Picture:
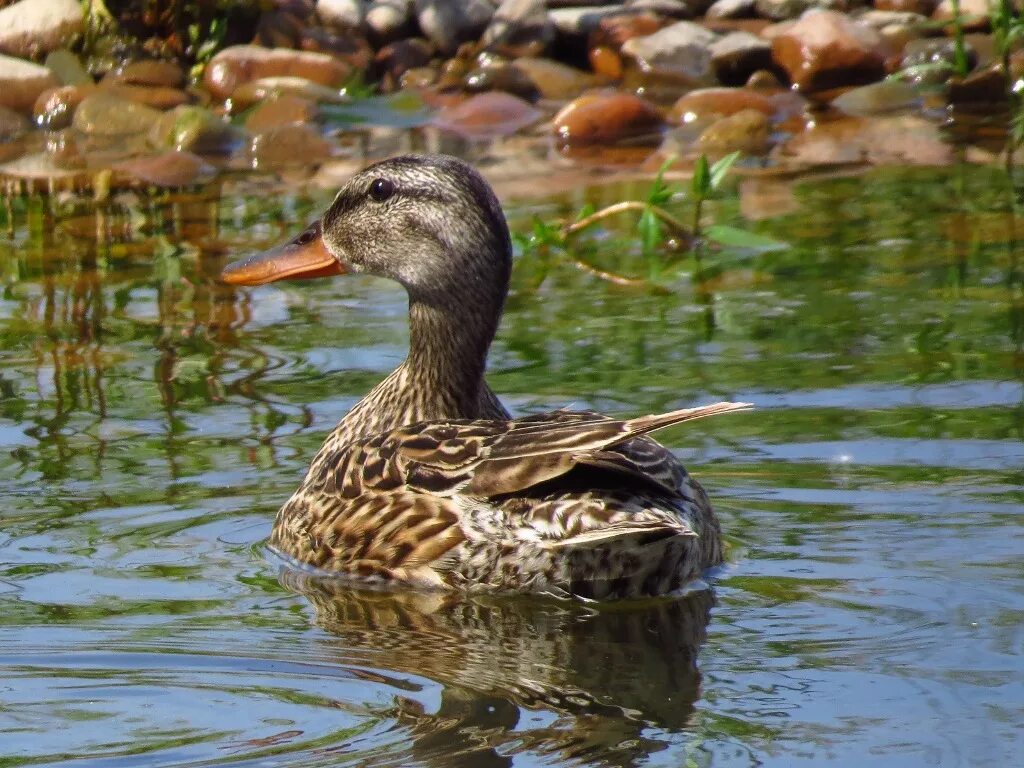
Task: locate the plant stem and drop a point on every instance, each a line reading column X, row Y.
column 622, row 207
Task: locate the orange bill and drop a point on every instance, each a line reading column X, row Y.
column 303, row 257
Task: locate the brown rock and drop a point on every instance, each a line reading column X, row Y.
column 106, row 115
column 923, row 7
column 613, row 31
column 397, row 58
column 158, row 97
column 519, row 28
column 265, row 88
column 606, row 62
column 604, row 117
column 165, row 74
column 738, row 55
column 501, row 76
column 170, row 169
column 704, row 102
column 243, row 63
column 12, row 125
column 55, row 107
column 282, row 110
column 194, row 129
column 21, row 82
column 288, row 145
column 827, row 50
column 31, row 28
column 901, row 140
column 985, row 87
column 487, row 115
column 746, row 131
column 974, row 14
column 553, row 79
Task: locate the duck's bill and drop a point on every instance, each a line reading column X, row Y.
column 304, row 257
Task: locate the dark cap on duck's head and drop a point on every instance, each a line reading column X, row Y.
column 430, row 222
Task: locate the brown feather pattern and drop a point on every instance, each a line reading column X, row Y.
column 428, row 481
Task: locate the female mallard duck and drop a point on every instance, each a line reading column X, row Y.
column 428, row 481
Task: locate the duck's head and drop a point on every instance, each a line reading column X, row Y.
column 429, row 222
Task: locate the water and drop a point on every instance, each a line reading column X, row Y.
column 871, row 613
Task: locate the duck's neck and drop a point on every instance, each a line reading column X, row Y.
column 442, row 377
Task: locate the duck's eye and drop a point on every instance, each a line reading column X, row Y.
column 382, row 189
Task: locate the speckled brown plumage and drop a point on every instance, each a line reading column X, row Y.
column 428, row 481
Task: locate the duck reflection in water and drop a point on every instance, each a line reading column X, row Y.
column 608, row 673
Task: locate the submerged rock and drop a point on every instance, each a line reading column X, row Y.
column 241, row 64
column 878, row 98
column 606, row 117
column 67, row 67
column 170, row 169
column 194, row 129
column 699, row 105
column 21, row 82
column 746, row 131
column 12, row 124
column 151, row 72
column 55, row 107
column 107, row 115
column 553, row 79
column 287, row 145
column 487, row 115
column 32, row 28
column 281, row 110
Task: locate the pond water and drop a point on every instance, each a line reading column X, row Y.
column 871, row 612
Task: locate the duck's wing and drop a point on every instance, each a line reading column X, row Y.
column 390, row 505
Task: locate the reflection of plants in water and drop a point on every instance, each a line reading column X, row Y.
column 660, row 232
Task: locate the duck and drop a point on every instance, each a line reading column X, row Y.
column 428, row 482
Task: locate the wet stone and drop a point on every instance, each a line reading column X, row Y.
column 287, row 145
column 934, row 51
column 605, row 62
column 983, row 88
column 826, row 50
column 104, row 114
column 269, row 87
column 501, row 76
column 554, row 80
column 746, row 131
column 580, row 22
column 487, row 115
column 12, row 124
column 614, row 31
column 923, row 7
column 878, row 98
column 394, row 59
column 897, row 140
column 389, row 20
column 519, row 28
column 281, row 110
column 170, row 169
column 606, row 117
column 449, row 23
column 703, row 103
column 737, row 55
column 67, row 68
column 55, row 107
column 241, row 64
column 681, row 47
column 194, row 129
column 158, row 97
column 781, row 10
column 346, row 14
column 21, row 82
column 152, row 72
column 731, row 9
column 974, row 14
column 32, row 28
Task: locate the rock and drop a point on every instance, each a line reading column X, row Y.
column 878, row 98
column 681, row 47
column 55, row 107
column 155, row 72
column 13, row 125
column 487, row 116
column 825, row 49
column 152, row 96
column 345, row 45
column 701, row 104
column 613, row 31
column 346, row 14
column 738, row 55
column 243, row 63
column 605, row 117
column 285, row 109
column 673, row 9
column 974, row 14
column 923, row 7
column 902, row 140
column 449, row 23
column 746, row 131
column 417, row 78
column 394, row 59
column 21, row 82
column 939, row 51
column 170, row 169
column 256, row 91
column 881, row 19
column 580, row 22
column 103, row 114
column 553, row 79
column 67, row 68
column 519, row 28
column 780, row 10
column 31, row 28
column 731, row 9
column 984, row 87
column 287, row 145
column 605, row 62
column 195, row 129
column 389, row 20
column 501, row 76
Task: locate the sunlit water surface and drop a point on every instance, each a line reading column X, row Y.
column 151, row 422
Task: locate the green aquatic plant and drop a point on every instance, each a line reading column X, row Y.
column 660, row 231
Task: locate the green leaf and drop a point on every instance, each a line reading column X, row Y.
column 701, row 184
column 650, row 231
column 721, row 168
column 739, row 238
